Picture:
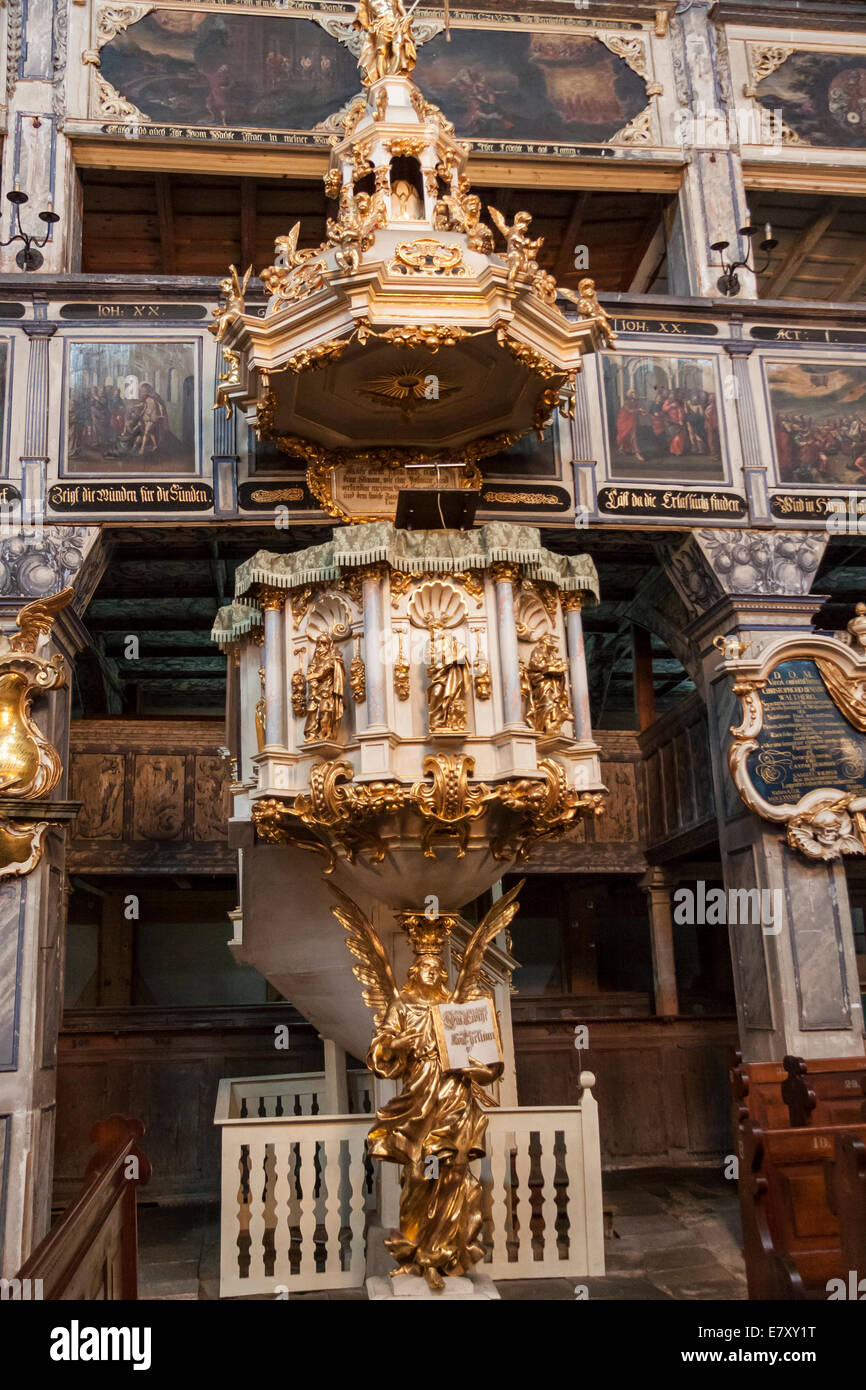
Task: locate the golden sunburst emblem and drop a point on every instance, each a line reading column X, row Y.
column 409, row 388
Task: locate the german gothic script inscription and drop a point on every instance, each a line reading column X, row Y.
column 805, row 742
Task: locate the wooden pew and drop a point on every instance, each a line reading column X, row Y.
column 830, row 1091
column 845, row 1177
column 791, row 1238
column 756, row 1089
column 92, row 1251
column 795, row 1093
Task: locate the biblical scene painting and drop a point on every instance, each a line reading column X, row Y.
column 819, row 421
column 822, row 97
column 505, row 85
column 663, row 418
column 207, row 69
column 281, row 72
column 131, row 407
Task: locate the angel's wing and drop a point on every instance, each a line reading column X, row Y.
column 290, row 244
column 374, row 968
column 499, row 221
column 246, row 281
column 563, row 293
column 497, row 919
column 37, row 618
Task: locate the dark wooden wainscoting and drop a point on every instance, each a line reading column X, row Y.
column 661, row 1084
column 164, row 1065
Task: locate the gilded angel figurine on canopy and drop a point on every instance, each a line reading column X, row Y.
column 389, row 48
column 439, row 1113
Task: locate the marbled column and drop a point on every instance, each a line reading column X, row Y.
column 795, row 968
column 657, row 885
column 573, row 603
column 754, row 464
column 585, row 488
column 374, row 648
column 225, row 460
column 273, row 603
column 43, row 89
column 504, row 576
column 712, row 199
column 35, row 455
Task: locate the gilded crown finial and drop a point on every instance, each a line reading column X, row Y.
column 428, row 935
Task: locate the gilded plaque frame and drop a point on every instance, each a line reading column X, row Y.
column 826, row 822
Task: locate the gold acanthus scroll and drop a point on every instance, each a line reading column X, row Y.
column 30, row 766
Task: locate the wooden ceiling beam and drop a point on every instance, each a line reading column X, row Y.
column 249, row 190
column 564, row 264
column 652, row 239
column 165, row 213
column 627, row 176
column 853, row 281
column 802, row 249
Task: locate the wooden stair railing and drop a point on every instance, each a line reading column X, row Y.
column 92, row 1251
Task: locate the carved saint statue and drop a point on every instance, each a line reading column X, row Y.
column 547, row 676
column 446, row 689
column 326, row 687
column 389, row 48
column 436, row 1125
column 405, row 202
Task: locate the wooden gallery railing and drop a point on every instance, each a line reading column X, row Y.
column 299, row 1190
column 92, row 1252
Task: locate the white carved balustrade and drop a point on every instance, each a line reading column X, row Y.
column 298, row 1191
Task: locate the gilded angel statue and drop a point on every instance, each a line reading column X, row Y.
column 588, row 306
column 436, row 1125
column 286, row 253
column 521, row 250
column 232, row 290
column 389, row 49
column 360, row 218
column 461, row 212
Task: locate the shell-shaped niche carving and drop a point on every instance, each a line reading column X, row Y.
column 329, row 617
column 437, row 604
column 531, row 617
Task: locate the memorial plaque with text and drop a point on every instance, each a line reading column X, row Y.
column 805, row 743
